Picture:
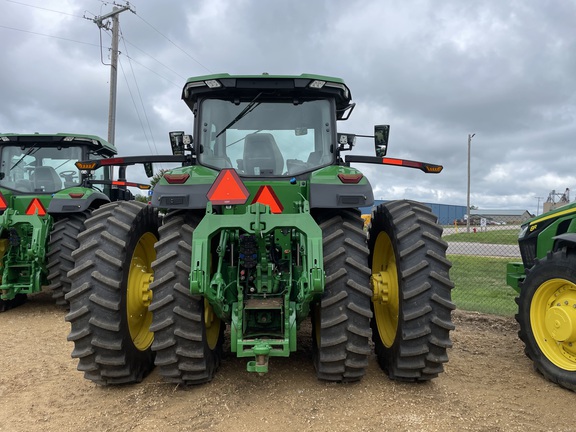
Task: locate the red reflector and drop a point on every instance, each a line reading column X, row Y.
column 350, row 178
column 402, row 162
column 76, row 195
column 390, row 161
column 112, row 161
column 176, row 178
column 227, row 189
column 36, row 207
column 3, row 205
column 266, row 195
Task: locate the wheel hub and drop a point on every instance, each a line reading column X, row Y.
column 139, row 295
column 553, row 321
column 380, row 287
column 560, row 321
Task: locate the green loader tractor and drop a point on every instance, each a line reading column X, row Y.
column 43, row 205
column 546, row 283
column 261, row 232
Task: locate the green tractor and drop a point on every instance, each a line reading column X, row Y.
column 262, row 231
column 546, row 283
column 43, row 205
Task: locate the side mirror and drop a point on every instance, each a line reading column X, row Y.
column 381, row 133
column 179, row 142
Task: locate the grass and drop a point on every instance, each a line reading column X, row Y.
column 480, row 285
column 506, row 237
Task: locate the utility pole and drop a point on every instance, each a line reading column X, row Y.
column 468, row 194
column 114, row 62
column 538, row 206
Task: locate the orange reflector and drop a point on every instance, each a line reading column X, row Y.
column 88, row 166
column 3, row 205
column 350, row 178
column 266, row 195
column 36, row 207
column 227, row 189
column 176, row 178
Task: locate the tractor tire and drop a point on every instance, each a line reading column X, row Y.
column 547, row 317
column 109, row 299
column 341, row 319
column 63, row 241
column 188, row 337
column 412, row 291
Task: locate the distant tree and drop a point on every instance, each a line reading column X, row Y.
column 157, row 177
column 142, row 198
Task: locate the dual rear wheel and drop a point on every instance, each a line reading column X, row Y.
column 395, row 289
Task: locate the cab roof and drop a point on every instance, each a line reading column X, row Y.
column 268, row 87
column 54, row 140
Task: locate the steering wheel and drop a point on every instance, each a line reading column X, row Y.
column 66, row 174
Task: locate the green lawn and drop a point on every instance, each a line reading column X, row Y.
column 506, row 236
column 480, row 285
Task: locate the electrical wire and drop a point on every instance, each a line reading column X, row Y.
column 42, row 8
column 47, row 35
column 139, row 95
column 169, row 40
column 135, row 106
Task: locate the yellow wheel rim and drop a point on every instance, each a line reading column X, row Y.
column 553, row 322
column 139, row 295
column 384, row 281
column 212, row 324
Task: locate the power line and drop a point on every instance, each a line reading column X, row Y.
column 156, row 60
column 50, row 36
column 169, row 40
column 140, row 97
column 42, row 8
column 154, row 72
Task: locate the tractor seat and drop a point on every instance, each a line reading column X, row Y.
column 262, row 155
column 46, row 179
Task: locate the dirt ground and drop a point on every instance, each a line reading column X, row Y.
column 488, row 385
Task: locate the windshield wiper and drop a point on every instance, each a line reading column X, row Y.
column 253, row 104
column 28, row 153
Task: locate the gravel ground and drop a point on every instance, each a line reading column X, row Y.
column 488, row 385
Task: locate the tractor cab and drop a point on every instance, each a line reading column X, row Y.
column 45, row 164
column 266, row 126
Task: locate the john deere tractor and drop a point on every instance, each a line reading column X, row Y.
column 262, row 232
column 546, row 283
column 43, row 205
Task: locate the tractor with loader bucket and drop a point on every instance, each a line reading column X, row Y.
column 43, row 205
column 262, row 232
column 546, row 283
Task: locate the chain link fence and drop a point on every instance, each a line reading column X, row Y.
column 479, row 256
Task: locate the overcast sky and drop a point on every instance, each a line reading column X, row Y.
column 435, row 71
